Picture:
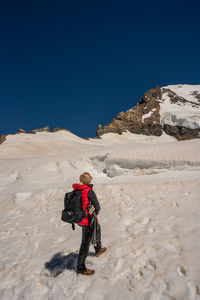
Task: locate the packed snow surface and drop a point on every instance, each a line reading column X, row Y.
column 148, row 188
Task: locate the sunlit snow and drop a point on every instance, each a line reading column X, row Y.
column 182, row 114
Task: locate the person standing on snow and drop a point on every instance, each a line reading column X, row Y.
column 88, row 196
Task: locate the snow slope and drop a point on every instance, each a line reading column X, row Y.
column 185, row 90
column 148, row 188
column 185, row 114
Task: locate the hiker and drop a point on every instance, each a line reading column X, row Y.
column 91, row 229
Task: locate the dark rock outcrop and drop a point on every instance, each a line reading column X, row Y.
column 2, row 138
column 46, row 128
column 20, row 130
column 59, row 128
column 181, row 132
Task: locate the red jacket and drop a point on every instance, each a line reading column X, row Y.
column 84, row 190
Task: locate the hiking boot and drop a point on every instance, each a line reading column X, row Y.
column 86, row 272
column 100, row 251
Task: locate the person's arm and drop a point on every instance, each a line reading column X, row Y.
column 93, row 198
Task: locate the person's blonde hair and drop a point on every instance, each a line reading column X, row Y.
column 85, row 178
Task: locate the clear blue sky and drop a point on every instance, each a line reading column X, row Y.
column 77, row 64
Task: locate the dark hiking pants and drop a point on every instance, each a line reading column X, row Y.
column 85, row 244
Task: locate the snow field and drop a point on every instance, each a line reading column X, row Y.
column 152, row 253
column 129, row 160
column 181, row 114
column 148, row 188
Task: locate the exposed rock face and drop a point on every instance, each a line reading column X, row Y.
column 146, row 117
column 46, row 128
column 2, row 138
column 20, row 130
column 59, row 128
column 181, row 133
column 143, row 118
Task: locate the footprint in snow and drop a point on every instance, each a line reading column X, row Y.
column 181, row 271
column 36, row 246
column 105, row 273
column 146, row 220
column 139, row 275
column 194, row 290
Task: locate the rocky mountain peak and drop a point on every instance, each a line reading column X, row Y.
column 173, row 109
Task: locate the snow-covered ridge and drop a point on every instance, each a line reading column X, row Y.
column 181, row 113
column 188, row 92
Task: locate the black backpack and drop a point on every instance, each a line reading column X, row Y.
column 73, row 212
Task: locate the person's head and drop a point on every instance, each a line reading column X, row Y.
column 85, row 178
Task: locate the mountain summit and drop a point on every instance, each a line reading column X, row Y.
column 174, row 109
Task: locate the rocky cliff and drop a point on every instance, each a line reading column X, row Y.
column 172, row 109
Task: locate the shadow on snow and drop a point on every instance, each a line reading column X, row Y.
column 60, row 262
